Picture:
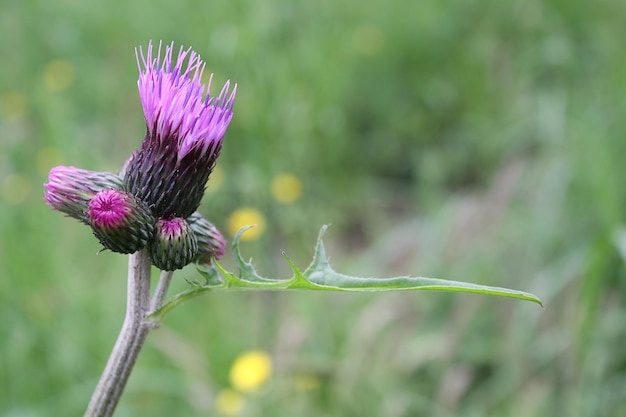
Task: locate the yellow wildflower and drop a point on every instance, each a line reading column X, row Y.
column 244, row 217
column 58, row 75
column 306, row 382
column 47, row 158
column 250, row 371
column 13, row 105
column 286, row 188
column 229, row 402
column 15, row 188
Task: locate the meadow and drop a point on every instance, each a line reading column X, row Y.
column 465, row 140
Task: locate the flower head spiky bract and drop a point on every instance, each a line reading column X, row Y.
column 185, row 127
column 211, row 242
column 174, row 244
column 120, row 221
column 69, row 189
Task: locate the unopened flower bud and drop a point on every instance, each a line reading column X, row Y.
column 174, row 244
column 69, row 189
column 211, row 242
column 120, row 221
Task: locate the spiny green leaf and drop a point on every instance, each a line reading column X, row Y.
column 320, row 276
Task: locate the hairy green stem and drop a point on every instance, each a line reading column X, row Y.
column 129, row 342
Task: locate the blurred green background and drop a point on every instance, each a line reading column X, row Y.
column 466, row 140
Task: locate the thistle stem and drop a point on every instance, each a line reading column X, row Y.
column 161, row 290
column 129, row 342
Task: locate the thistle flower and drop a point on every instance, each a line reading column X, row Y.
column 184, row 133
column 69, row 189
column 211, row 242
column 120, row 221
column 163, row 182
column 174, row 244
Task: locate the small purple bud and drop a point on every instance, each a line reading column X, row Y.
column 174, row 244
column 69, row 189
column 211, row 242
column 120, row 221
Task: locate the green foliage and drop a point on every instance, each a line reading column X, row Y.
column 319, row 276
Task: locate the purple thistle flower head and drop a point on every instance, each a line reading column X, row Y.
column 211, row 242
column 185, row 128
column 151, row 203
column 109, row 208
column 69, row 189
column 174, row 102
column 174, row 244
column 120, row 221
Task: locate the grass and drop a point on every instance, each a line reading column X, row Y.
column 467, row 140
